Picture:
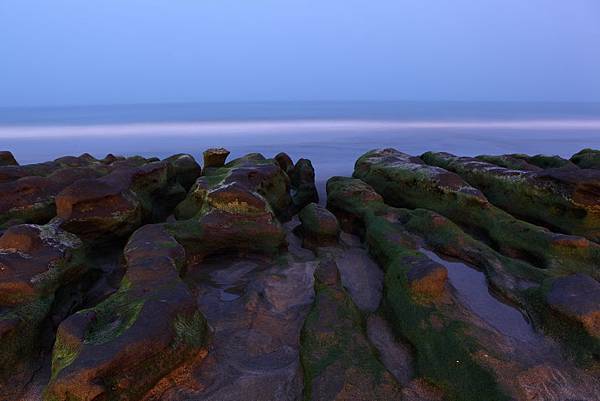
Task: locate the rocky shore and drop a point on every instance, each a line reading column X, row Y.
column 420, row 278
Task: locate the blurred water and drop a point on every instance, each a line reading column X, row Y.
column 331, row 134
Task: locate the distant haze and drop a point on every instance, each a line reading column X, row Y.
column 74, row 52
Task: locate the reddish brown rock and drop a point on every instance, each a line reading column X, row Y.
column 115, row 205
column 426, row 277
column 126, row 344
column 35, row 262
column 7, row 159
column 215, row 157
column 32, row 199
column 577, row 297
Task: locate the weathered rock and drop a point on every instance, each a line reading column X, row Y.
column 361, row 277
column 14, row 172
column 35, row 262
column 509, row 161
column 396, row 357
column 546, row 161
column 185, row 169
column 114, row 205
column 32, row 199
column 285, row 162
column 123, row 346
column 405, row 181
column 567, row 200
column 7, row 159
column 336, row 355
column 427, row 278
column 319, row 226
column 215, row 157
column 587, row 158
column 577, row 297
column 302, row 178
column 250, row 176
column 517, row 281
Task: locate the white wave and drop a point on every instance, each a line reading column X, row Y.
column 268, row 127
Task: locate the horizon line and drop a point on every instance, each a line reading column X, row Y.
column 191, row 102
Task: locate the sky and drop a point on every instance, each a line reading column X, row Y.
column 74, row 52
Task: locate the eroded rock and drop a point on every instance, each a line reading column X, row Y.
column 566, row 200
column 319, row 226
column 587, row 158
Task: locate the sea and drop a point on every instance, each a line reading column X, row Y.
column 331, row 134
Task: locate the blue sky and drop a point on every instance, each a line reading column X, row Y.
column 69, row 52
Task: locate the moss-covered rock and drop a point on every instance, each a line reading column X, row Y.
column 35, row 263
column 115, row 205
column 339, row 363
column 564, row 200
column 302, row 177
column 123, row 346
column 232, row 186
column 31, row 199
column 319, row 226
column 406, row 181
column 524, row 285
column 442, row 340
column 185, row 169
column 546, row 161
column 509, row 161
column 587, row 158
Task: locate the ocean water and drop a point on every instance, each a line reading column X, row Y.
column 331, row 134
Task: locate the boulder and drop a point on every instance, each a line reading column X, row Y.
column 319, row 226
column 35, row 263
column 14, row 172
column 564, row 200
column 302, row 179
column 115, row 205
column 215, row 157
column 185, row 168
column 587, row 158
column 285, row 162
column 7, row 159
column 249, row 176
column 577, row 297
column 123, row 346
column 32, row 199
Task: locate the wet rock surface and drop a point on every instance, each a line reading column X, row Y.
column 137, row 279
column 561, row 199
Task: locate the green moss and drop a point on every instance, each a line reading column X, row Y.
column 191, row 331
column 340, row 341
column 18, row 346
column 385, row 239
column 443, row 356
column 63, row 354
column 584, row 348
column 587, row 158
column 512, row 237
column 114, row 316
column 525, row 196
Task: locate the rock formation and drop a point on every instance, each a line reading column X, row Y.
column 419, row 279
